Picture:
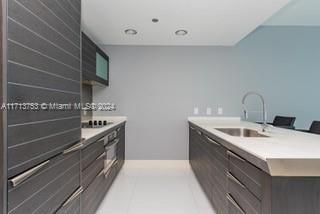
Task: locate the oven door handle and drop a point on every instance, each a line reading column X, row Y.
column 114, row 142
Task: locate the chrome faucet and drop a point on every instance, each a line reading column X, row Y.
column 264, row 108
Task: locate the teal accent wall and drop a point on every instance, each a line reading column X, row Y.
column 297, row 13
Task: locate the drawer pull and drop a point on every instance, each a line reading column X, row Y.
column 100, row 173
column 235, row 156
column 101, row 156
column 109, row 145
column 73, row 148
column 24, row 176
column 114, row 133
column 235, row 204
column 229, row 175
column 212, row 141
column 73, row 196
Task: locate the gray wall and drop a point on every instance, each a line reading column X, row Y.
column 158, row 87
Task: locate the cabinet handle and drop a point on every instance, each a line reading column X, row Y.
column 212, row 141
column 199, row 133
column 235, row 156
column 111, row 134
column 100, row 173
column 235, row 204
column 116, row 141
column 192, row 128
column 24, row 176
column 73, row 196
column 118, row 129
column 229, row 175
column 101, row 156
column 73, row 148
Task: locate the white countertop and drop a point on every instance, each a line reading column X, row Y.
column 286, row 152
column 89, row 133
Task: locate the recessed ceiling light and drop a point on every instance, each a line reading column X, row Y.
column 155, row 20
column 130, row 32
column 181, row 32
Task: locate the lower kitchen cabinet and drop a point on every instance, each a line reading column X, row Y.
column 44, row 188
column 72, row 204
column 96, row 181
column 236, row 186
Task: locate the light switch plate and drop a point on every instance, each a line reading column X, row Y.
column 209, row 111
column 196, row 111
column 220, row 111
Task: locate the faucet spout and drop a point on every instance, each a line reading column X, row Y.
column 264, row 108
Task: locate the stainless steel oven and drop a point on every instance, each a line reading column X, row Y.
column 111, row 145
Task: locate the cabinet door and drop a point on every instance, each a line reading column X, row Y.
column 44, row 188
column 88, row 57
column 43, row 67
column 72, row 204
column 219, row 168
column 121, row 146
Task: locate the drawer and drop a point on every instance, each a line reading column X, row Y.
column 243, row 197
column 44, row 188
column 94, row 194
column 89, row 173
column 233, row 207
column 27, row 155
column 72, row 204
column 246, row 173
column 90, row 153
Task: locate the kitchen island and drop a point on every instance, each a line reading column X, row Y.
column 276, row 171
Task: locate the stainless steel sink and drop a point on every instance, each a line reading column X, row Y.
column 241, row 132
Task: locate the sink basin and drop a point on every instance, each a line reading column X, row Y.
column 241, row 132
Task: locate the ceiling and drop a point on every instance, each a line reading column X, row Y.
column 208, row 22
column 298, row 13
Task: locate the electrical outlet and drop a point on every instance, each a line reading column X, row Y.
column 220, row 111
column 209, row 111
column 196, row 111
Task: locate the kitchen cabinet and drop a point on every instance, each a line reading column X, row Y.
column 236, row 186
column 209, row 162
column 95, row 63
column 42, row 66
column 95, row 180
column 44, row 188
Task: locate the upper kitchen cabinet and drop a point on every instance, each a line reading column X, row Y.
column 95, row 63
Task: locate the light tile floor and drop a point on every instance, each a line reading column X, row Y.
column 155, row 187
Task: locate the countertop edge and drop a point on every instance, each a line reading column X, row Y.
column 103, row 133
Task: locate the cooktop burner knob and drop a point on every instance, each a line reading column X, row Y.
column 95, row 123
column 90, row 122
column 100, row 123
column 104, row 122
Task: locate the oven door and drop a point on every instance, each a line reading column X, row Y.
column 111, row 157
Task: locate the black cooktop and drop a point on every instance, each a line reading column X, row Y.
column 95, row 124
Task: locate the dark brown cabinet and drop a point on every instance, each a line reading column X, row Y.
column 236, row 186
column 95, row 63
column 95, row 181
column 47, row 187
column 42, row 67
